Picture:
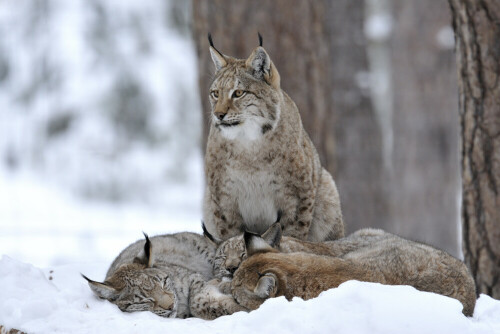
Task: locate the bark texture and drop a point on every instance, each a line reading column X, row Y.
column 318, row 48
column 477, row 35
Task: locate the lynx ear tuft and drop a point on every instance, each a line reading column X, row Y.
column 261, row 67
column 209, row 236
column 255, row 244
column 102, row 290
column 148, row 251
column 267, row 286
column 218, row 58
column 260, row 38
column 273, row 235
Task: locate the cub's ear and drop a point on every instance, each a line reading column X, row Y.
column 145, row 256
column 255, row 244
column 273, row 235
column 218, row 58
column 102, row 290
column 207, row 235
column 267, row 286
column 260, row 65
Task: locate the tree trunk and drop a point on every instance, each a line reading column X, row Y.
column 318, row 48
column 425, row 155
column 477, row 36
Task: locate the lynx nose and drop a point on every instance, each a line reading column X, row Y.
column 220, row 115
column 232, row 269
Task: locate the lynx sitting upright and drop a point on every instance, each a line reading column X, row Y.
column 259, row 159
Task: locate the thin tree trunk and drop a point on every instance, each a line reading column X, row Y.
column 319, row 50
column 477, row 35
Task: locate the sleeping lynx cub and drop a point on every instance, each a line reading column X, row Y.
column 390, row 260
column 259, row 159
column 169, row 275
column 232, row 252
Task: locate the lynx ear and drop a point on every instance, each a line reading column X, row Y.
column 218, row 58
column 273, row 235
column 148, row 251
column 209, row 236
column 267, row 286
column 255, row 244
column 262, row 68
column 102, row 290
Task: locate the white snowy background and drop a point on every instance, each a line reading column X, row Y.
column 99, row 141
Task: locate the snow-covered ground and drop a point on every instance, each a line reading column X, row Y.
column 65, row 236
column 50, row 238
column 58, row 300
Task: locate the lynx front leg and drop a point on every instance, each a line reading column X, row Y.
column 208, row 302
column 297, row 220
column 221, row 216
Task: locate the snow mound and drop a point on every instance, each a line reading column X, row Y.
column 58, row 300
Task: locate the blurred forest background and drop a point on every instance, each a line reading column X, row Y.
column 105, row 104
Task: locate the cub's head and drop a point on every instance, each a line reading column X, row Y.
column 139, row 287
column 232, row 252
column 245, row 94
column 259, row 277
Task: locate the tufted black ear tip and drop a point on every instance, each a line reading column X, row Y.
column 206, row 233
column 247, row 236
column 147, row 246
column 210, row 40
column 260, row 38
column 86, row 278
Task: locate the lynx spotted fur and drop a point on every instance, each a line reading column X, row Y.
column 232, row 252
column 169, row 275
column 259, row 159
column 390, row 260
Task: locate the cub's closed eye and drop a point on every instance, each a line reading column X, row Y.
column 214, row 94
column 238, row 93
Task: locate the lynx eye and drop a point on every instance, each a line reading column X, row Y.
column 238, row 93
column 214, row 94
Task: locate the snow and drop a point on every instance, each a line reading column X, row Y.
column 445, row 38
column 378, row 26
column 57, row 299
column 72, row 199
column 43, row 225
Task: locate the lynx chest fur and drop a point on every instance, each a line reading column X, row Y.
column 259, row 159
column 256, row 196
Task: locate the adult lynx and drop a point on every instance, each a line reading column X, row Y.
column 389, row 260
column 259, row 159
column 169, row 275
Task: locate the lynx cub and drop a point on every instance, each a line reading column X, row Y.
column 392, row 260
column 232, row 252
column 259, row 159
column 169, row 275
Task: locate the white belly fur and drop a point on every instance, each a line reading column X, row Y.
column 256, row 199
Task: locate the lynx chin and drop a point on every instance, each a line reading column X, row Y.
column 259, row 161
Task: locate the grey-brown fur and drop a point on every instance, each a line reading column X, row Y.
column 388, row 260
column 232, row 252
column 259, row 159
column 171, row 276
